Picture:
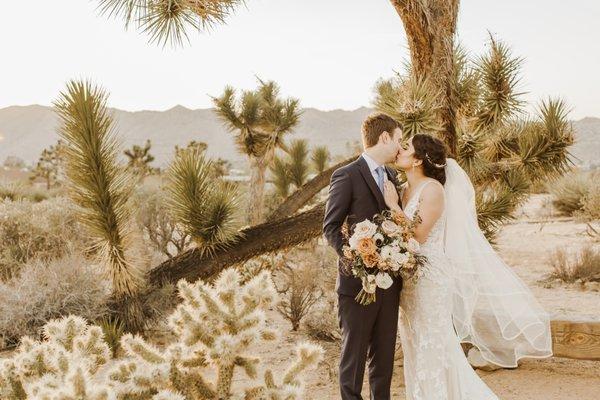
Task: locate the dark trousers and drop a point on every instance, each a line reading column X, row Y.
column 368, row 333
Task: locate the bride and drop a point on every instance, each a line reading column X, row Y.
column 465, row 292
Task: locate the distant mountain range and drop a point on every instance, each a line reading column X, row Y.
column 26, row 130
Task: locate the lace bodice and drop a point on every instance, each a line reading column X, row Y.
column 435, row 240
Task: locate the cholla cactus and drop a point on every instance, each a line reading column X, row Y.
column 64, row 366
column 215, row 327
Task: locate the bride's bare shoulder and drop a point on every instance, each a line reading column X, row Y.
column 433, row 190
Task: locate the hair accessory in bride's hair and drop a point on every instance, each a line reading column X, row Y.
column 434, row 164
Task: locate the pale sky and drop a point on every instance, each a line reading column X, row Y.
column 328, row 53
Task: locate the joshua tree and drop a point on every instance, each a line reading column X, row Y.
column 139, row 159
column 100, row 187
column 503, row 152
column 320, row 158
column 207, row 209
column 260, row 119
column 50, row 165
column 292, row 168
column 281, row 177
column 220, row 167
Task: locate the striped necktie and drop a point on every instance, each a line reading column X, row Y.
column 380, row 175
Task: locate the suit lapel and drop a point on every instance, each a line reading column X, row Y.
column 368, row 177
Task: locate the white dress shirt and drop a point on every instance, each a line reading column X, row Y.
column 373, row 165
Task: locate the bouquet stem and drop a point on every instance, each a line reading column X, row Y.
column 365, row 298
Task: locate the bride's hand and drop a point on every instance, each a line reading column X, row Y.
column 390, row 194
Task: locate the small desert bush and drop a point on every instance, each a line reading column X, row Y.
column 570, row 191
column 160, row 230
column 591, row 202
column 583, row 266
column 300, row 290
column 19, row 191
column 47, row 230
column 46, row 290
column 322, row 322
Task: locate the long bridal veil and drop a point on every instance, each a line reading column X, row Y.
column 492, row 308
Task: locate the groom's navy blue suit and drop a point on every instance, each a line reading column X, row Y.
column 368, row 332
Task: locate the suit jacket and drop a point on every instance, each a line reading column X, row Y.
column 353, row 197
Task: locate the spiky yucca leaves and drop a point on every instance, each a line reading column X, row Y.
column 298, row 162
column 503, row 153
column 215, row 327
column 66, row 365
column 320, row 159
column 97, row 183
column 167, row 21
column 281, row 177
column 412, row 101
column 206, row 207
column 259, row 119
column 499, row 72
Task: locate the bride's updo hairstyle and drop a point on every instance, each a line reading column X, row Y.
column 432, row 152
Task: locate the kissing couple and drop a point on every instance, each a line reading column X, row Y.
column 465, row 293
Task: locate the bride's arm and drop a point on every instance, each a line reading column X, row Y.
column 430, row 209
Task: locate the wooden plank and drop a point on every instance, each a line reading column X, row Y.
column 579, row 340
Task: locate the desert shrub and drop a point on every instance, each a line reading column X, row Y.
column 570, row 190
column 18, row 191
column 46, row 290
column 215, row 329
column 591, row 202
column 159, row 228
column 300, row 291
column 46, row 230
column 322, row 322
column 583, row 266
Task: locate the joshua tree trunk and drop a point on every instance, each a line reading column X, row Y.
column 257, row 190
column 430, row 27
column 257, row 240
column 303, row 195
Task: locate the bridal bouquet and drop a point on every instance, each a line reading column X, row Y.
column 382, row 249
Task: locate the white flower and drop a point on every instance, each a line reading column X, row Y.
column 399, row 260
column 383, row 280
column 365, row 229
column 413, row 246
column 378, row 236
column 369, row 284
column 390, row 228
column 387, row 252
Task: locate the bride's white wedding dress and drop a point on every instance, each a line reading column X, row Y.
column 464, row 293
column 435, row 366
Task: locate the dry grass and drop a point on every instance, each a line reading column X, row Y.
column 581, row 267
column 45, row 230
column 47, row 290
column 573, row 190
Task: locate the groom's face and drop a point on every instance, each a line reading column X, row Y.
column 391, row 144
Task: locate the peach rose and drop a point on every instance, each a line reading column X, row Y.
column 366, row 246
column 371, row 260
column 398, row 217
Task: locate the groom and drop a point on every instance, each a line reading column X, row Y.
column 356, row 194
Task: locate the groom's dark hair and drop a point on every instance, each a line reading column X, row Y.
column 374, row 126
